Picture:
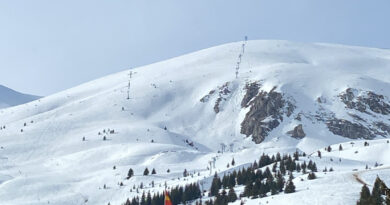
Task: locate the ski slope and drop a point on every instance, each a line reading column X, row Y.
column 43, row 158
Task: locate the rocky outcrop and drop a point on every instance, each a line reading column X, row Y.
column 365, row 101
column 297, row 132
column 266, row 110
column 349, row 129
column 223, row 93
column 207, row 97
column 252, row 89
column 216, row 105
column 383, row 127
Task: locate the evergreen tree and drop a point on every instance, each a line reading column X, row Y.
column 233, row 162
column 314, row 167
column 185, row 173
column 222, row 199
column 232, row 180
column 215, row 186
column 279, row 182
column 232, row 196
column 365, row 196
column 274, row 188
column 148, row 199
column 130, row 173
column 282, row 167
column 329, row 148
column 290, row 187
column 154, row 171
column 296, row 156
column 340, row 148
column 377, row 192
column 274, row 167
column 146, row 171
column 255, row 165
column 311, row 176
column 143, row 199
column 248, row 190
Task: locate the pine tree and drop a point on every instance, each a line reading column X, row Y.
column 248, row 190
column 233, row 162
column 146, row 171
column 215, row 186
column 154, row 171
column 340, row 148
column 296, row 156
column 365, row 196
column 232, row 196
column 143, row 199
column 282, row 167
column 290, row 187
column 311, row 176
column 279, row 182
column 377, row 192
column 148, row 199
column 185, row 173
column 130, row 173
column 314, row 167
column 222, row 199
column 329, row 148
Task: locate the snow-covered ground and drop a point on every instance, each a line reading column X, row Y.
column 43, row 158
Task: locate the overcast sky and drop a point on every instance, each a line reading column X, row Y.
column 50, row 45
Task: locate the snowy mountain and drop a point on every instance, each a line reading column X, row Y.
column 188, row 111
column 9, row 97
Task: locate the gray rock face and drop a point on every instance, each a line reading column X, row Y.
column 298, row 132
column 266, row 109
column 252, row 90
column 223, row 93
column 368, row 101
column 384, row 127
column 207, row 97
column 348, row 129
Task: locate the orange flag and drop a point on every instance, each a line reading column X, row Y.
column 167, row 199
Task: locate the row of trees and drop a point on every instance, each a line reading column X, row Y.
column 178, row 195
column 258, row 179
column 380, row 194
column 130, row 173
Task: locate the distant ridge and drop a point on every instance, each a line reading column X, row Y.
column 9, row 97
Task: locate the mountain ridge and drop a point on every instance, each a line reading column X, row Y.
column 185, row 111
column 9, row 97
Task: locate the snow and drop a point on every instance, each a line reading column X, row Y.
column 49, row 163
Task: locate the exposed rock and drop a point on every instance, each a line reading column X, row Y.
column 216, row 106
column 384, row 127
column 252, row 90
column 265, row 112
column 298, row 132
column 290, row 108
column 207, row 97
column 348, row 129
column 368, row 100
column 222, row 95
column 376, row 103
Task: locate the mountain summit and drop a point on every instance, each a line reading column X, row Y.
column 237, row 100
column 9, row 97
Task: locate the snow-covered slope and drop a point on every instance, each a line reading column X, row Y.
column 331, row 93
column 9, row 97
